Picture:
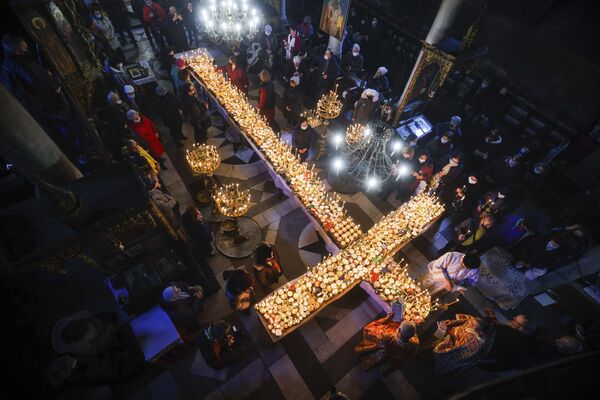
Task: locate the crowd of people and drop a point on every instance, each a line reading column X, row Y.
column 475, row 169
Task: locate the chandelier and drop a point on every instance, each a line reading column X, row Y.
column 232, row 202
column 230, row 21
column 329, row 106
column 203, row 159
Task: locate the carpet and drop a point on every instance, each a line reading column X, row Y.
column 500, row 282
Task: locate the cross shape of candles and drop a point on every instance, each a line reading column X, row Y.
column 365, row 258
column 368, row 259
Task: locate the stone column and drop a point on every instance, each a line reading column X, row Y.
column 335, row 45
column 443, row 19
column 282, row 14
column 25, row 143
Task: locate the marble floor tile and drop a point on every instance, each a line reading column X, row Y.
column 271, row 215
column 287, row 377
column 260, row 219
column 350, row 387
column 400, row 386
column 247, row 381
column 313, row 334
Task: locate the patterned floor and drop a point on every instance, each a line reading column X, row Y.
column 306, row 363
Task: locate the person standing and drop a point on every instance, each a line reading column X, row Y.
column 167, row 204
column 118, row 14
column 174, row 28
column 239, row 289
column 168, row 108
column 194, row 223
column 292, row 101
column 189, row 20
column 327, row 71
column 196, row 110
column 292, row 44
column 237, row 76
column 365, row 108
column 144, row 128
column 353, row 63
column 266, row 97
column 268, row 46
column 452, row 272
column 154, row 16
column 138, row 11
column 380, row 82
column 103, row 24
column 302, row 135
column 266, row 265
column 295, row 68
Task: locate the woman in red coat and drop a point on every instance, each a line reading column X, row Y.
column 266, row 98
column 144, row 128
column 237, row 75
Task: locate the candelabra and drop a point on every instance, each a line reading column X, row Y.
column 329, row 106
column 232, row 203
column 230, row 21
column 204, row 160
column 354, row 133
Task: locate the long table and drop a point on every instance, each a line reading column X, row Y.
column 277, row 179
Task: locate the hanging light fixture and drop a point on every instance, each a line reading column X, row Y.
column 231, row 21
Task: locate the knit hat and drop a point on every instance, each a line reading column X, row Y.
column 407, row 329
column 382, row 70
column 295, row 79
column 160, row 91
column 128, row 89
column 180, row 63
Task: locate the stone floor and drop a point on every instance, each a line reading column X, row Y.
column 306, row 363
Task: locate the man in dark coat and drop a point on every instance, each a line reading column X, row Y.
column 196, row 110
column 174, row 28
column 326, row 71
column 292, row 101
column 189, row 20
column 119, row 16
column 194, row 224
column 170, row 112
column 353, row 62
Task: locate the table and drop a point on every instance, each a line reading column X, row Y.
column 155, row 333
column 277, row 179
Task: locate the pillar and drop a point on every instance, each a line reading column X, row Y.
column 443, row 20
column 335, row 45
column 282, row 14
column 24, row 143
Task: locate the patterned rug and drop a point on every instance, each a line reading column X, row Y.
column 500, row 282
